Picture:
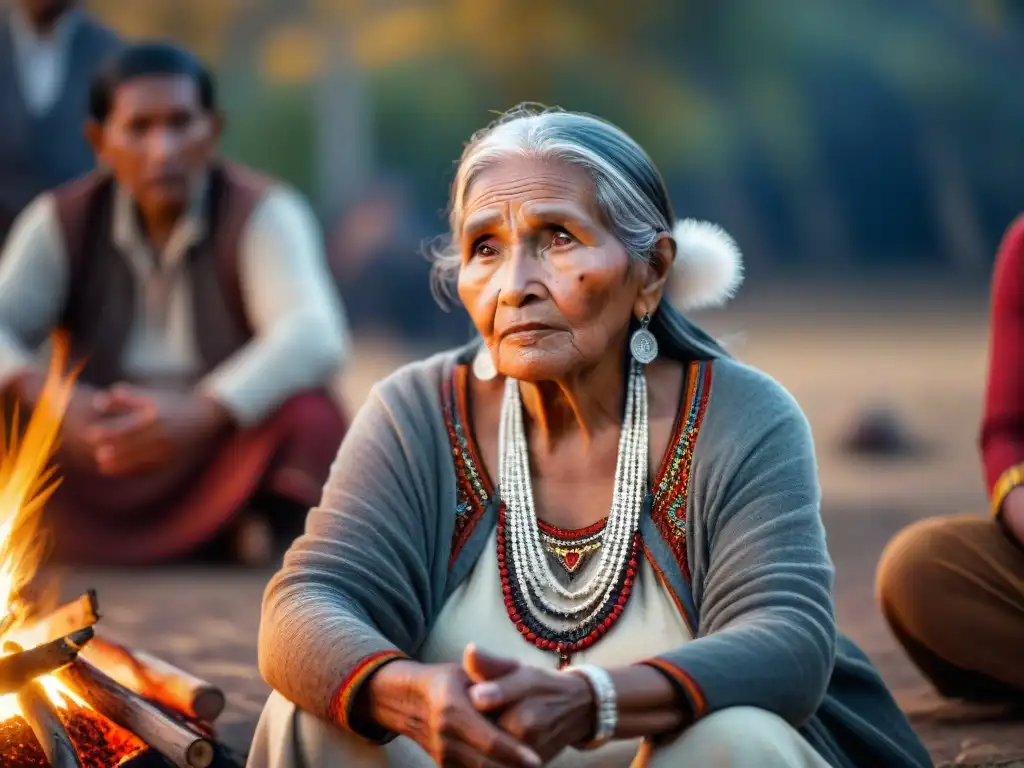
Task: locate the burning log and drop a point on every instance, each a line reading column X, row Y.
column 176, row 741
column 80, row 613
column 99, row 743
column 21, row 667
column 31, row 628
column 47, row 727
column 156, row 679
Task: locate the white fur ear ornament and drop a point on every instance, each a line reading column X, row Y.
column 708, row 268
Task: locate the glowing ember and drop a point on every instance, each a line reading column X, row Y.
column 99, row 743
column 27, row 479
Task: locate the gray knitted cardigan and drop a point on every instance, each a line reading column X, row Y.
column 740, row 545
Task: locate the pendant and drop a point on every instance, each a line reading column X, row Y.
column 572, row 557
column 523, row 609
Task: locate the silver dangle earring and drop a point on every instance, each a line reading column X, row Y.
column 483, row 364
column 642, row 344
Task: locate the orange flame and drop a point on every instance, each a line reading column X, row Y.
column 27, row 480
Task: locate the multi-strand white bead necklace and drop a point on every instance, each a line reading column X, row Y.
column 551, row 615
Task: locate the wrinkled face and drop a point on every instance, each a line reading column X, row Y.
column 158, row 139
column 546, row 283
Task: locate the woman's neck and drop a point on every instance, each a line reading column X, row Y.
column 583, row 404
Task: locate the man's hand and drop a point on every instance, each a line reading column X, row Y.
column 145, row 429
column 1013, row 513
column 79, row 419
column 80, row 416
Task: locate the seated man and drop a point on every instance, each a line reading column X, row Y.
column 952, row 589
column 196, row 296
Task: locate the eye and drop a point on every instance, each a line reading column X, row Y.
column 482, row 248
column 181, row 120
column 561, row 239
column 137, row 127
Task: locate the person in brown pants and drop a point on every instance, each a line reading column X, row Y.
column 952, row 588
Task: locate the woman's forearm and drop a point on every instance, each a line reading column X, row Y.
column 649, row 703
column 392, row 699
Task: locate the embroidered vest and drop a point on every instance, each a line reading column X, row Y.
column 100, row 306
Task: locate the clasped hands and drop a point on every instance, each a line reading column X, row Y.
column 487, row 712
column 127, row 429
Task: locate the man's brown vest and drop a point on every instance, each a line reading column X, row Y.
column 100, row 305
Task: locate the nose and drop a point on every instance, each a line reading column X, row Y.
column 163, row 147
column 520, row 281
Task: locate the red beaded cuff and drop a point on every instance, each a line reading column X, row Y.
column 686, row 684
column 345, row 694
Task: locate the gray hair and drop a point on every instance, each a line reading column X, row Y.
column 631, row 195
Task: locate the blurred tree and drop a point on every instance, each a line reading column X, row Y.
column 203, row 25
column 739, row 102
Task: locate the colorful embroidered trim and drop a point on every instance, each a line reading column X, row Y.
column 344, row 694
column 473, row 488
column 694, row 694
column 671, row 492
column 667, row 586
column 1010, row 479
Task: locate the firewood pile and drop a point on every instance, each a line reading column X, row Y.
column 71, row 698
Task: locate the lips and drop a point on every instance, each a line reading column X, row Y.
column 523, row 328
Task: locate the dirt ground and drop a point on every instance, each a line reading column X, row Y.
column 925, row 362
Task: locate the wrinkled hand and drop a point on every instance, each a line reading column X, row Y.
column 144, row 429
column 545, row 710
column 429, row 704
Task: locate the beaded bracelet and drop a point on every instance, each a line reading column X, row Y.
column 605, row 702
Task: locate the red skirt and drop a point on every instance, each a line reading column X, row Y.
column 98, row 520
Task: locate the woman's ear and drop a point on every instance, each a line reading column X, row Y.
column 656, row 272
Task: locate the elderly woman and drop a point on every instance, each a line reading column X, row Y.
column 592, row 540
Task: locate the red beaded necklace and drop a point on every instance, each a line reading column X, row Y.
column 572, row 640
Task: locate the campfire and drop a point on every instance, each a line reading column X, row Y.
column 69, row 697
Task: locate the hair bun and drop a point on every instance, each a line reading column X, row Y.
column 708, row 268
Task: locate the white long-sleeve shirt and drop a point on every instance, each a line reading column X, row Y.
column 41, row 60
column 299, row 325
